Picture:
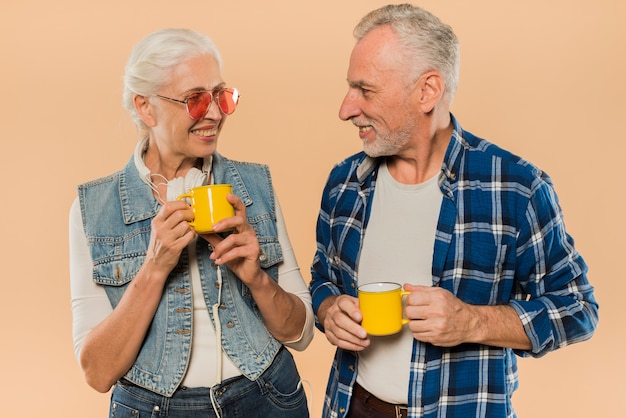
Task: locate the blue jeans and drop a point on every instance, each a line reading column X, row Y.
column 277, row 393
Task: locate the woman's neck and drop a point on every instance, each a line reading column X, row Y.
column 169, row 168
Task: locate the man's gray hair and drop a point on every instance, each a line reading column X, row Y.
column 429, row 43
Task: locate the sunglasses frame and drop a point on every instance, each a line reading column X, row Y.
column 214, row 98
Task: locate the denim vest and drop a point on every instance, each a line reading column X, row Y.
column 117, row 212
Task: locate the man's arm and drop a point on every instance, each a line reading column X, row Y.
column 440, row 318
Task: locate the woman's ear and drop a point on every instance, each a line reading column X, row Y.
column 144, row 110
column 432, row 87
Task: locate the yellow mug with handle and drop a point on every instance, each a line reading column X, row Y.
column 209, row 206
column 381, row 306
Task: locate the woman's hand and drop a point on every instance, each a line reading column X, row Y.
column 171, row 233
column 240, row 250
column 284, row 314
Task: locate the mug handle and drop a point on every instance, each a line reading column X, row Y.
column 183, row 196
column 404, row 293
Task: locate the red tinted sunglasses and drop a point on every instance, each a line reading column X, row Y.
column 198, row 103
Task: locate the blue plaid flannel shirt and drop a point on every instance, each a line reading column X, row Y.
column 500, row 240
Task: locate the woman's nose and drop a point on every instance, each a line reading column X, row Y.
column 213, row 112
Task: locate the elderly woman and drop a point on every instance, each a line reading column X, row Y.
column 184, row 325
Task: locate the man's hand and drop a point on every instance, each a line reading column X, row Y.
column 440, row 318
column 341, row 318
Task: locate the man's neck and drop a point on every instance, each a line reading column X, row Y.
column 424, row 158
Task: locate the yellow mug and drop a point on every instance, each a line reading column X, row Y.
column 209, row 206
column 381, row 306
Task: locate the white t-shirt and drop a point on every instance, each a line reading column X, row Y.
column 397, row 247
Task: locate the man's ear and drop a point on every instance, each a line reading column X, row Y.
column 432, row 88
column 144, row 110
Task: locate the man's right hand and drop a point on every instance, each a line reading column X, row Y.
column 341, row 318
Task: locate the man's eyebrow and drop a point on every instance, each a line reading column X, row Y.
column 359, row 84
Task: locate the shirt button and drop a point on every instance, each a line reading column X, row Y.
column 230, row 324
column 262, row 256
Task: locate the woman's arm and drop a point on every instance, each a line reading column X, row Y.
column 107, row 342
column 284, row 313
column 290, row 280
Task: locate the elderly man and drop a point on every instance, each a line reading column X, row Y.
column 473, row 232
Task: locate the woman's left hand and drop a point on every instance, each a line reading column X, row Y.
column 239, row 250
column 284, row 314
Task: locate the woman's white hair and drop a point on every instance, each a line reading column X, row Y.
column 153, row 58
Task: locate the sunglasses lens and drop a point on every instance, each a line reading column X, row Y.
column 228, row 99
column 198, row 104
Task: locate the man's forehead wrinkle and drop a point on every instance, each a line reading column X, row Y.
column 373, row 82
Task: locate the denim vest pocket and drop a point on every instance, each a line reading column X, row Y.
column 118, row 270
column 271, row 255
column 271, row 252
column 117, row 260
column 265, row 227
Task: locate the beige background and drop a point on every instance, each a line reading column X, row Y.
column 541, row 78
